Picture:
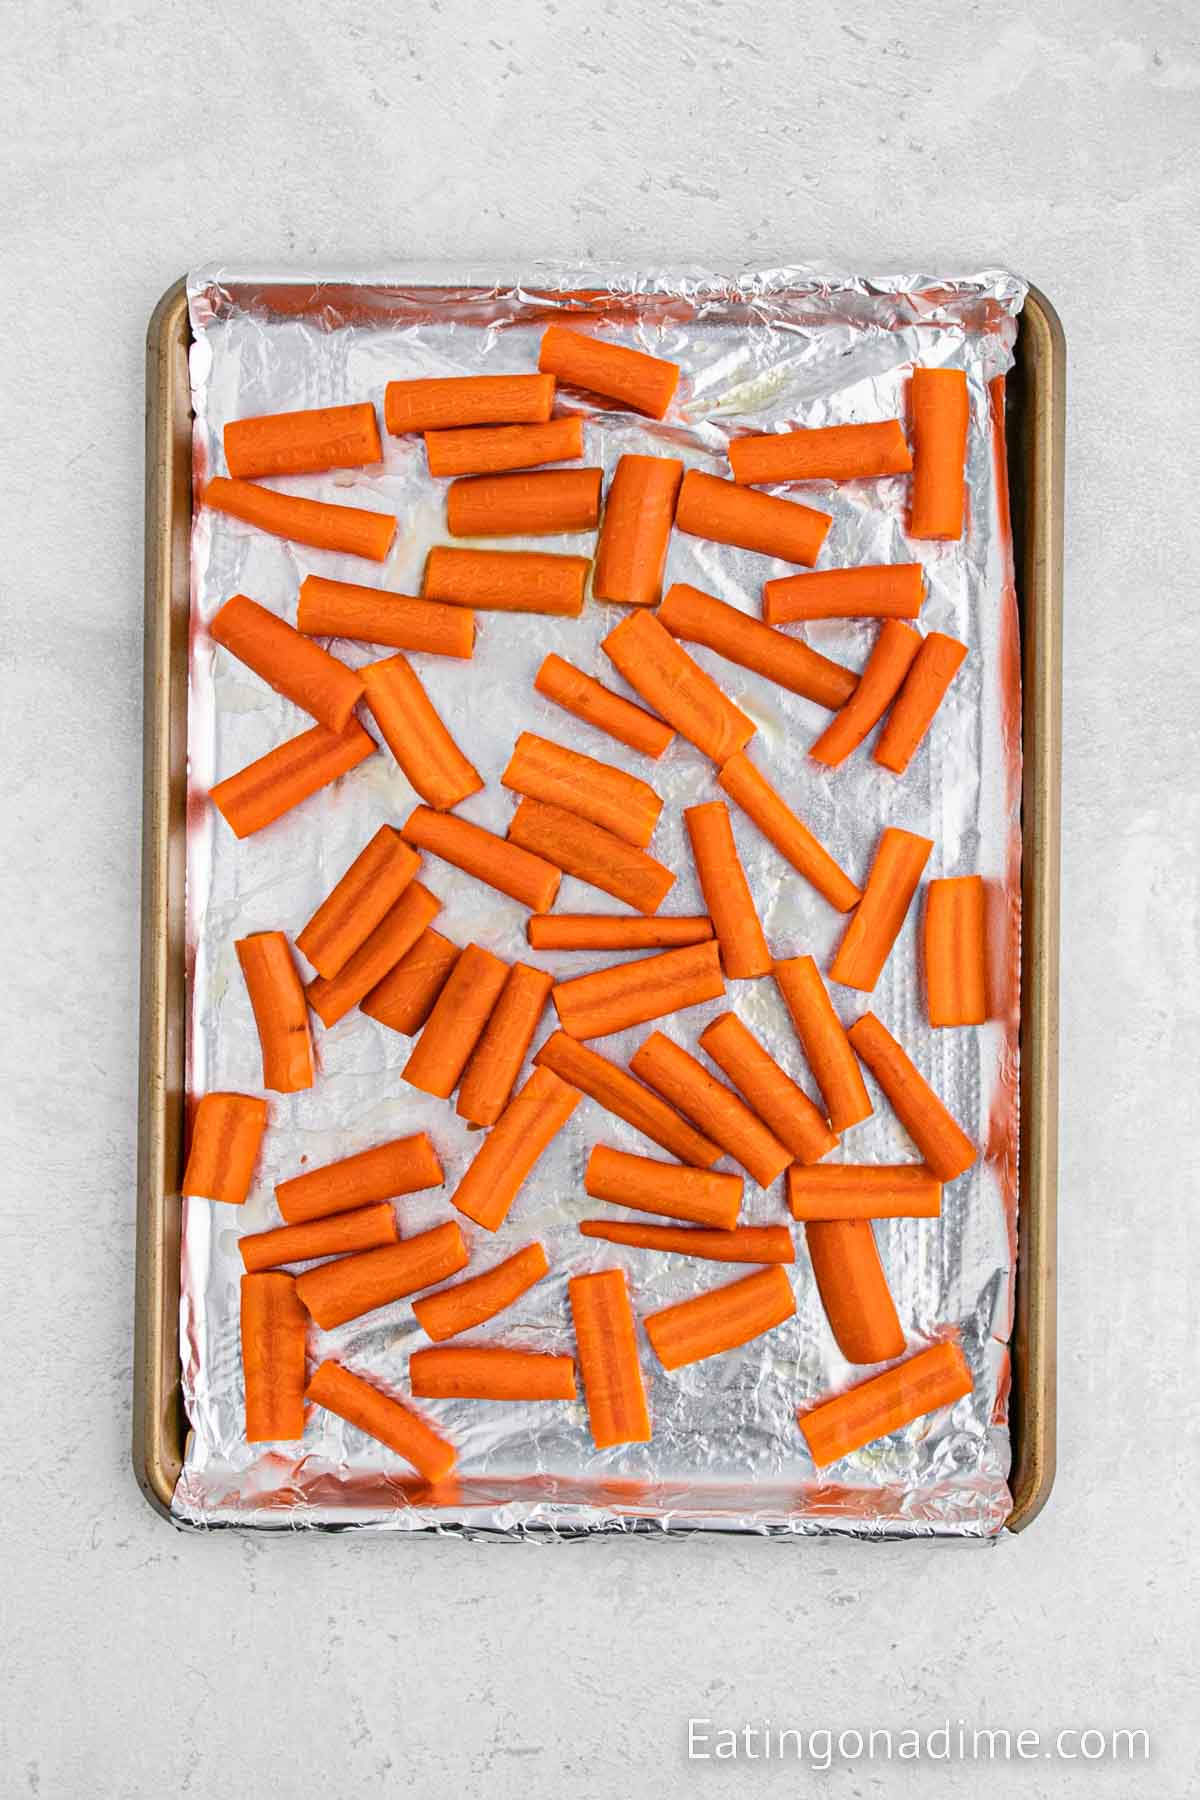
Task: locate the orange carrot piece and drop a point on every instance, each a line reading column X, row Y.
column 597, row 705
column 700, row 618
column 503, row 866
column 416, row 736
column 613, row 931
column 591, row 854
column 716, row 1109
column 277, row 1001
column 405, row 1165
column 933, row 668
column 264, row 790
column 790, row 836
column 606, row 1340
column 386, row 1419
column 633, row 993
column 721, row 1319
column 935, row 1377
column 781, row 1104
column 824, row 1042
column 288, row 661
column 528, row 581
column 227, row 1133
column 618, row 802
column 940, row 1139
column 358, row 902
column 640, row 1182
column 955, row 939
column 899, row 863
column 353, row 1285
column 303, row 443
column 618, row 1093
column 469, row 1303
column 490, row 1372
column 524, row 505
column 435, row 403
column 864, row 1191
column 874, row 591
column 638, row 513
column 940, row 410
column 274, row 1341
column 726, row 891
column 378, row 616
column 490, row 1075
column 496, row 449
column 526, row 1126
column 351, row 529
column 456, row 1024
column 645, row 384
column 405, row 997
column 889, row 662
column 854, row 1290
column 366, row 1228
column 668, row 679
column 744, row 1244
column 394, row 936
column 709, row 507
column 823, row 453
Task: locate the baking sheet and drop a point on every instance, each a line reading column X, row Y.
column 758, row 351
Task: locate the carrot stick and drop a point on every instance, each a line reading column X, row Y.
column 899, row 862
column 353, row 908
column 405, row 997
column 711, row 508
column 864, row 1191
column 274, row 1338
column 277, row 1001
column 378, row 616
column 721, row 1319
column 700, row 618
column 366, row 1228
column 493, row 450
column 388, row 1420
column 854, row 1290
column 633, row 993
column 638, row 514
column 933, row 669
column 512, row 871
column 434, row 403
column 506, row 580
column 353, row 1285
column 416, row 736
column 790, row 836
column 716, row 1109
column 873, row 591
column 288, row 661
column 227, row 1132
column 942, row 1142
column 351, row 529
column 745, row 1244
column 455, row 1025
column 615, row 1090
column 645, row 384
column 394, row 936
column 591, row 854
column 264, row 790
column 303, row 443
column 613, row 931
column 887, row 1402
column 597, row 705
column 956, row 950
column 700, row 1195
column 940, row 411
column 524, row 505
column 406, row 1165
column 606, row 1340
column 824, row 1042
column 531, row 1119
column 469, row 1303
column 889, row 662
column 670, row 681
column 595, row 790
column 488, row 1079
column 827, row 453
column 490, row 1372
column 726, row 891
column 778, row 1101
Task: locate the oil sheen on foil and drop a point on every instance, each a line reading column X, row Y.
column 758, row 351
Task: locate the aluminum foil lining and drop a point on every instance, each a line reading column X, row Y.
column 757, row 350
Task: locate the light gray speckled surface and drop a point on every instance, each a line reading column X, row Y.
column 1061, row 140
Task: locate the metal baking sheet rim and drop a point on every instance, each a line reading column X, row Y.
column 1036, row 433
